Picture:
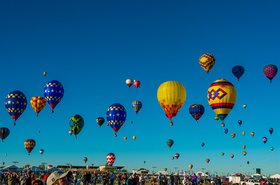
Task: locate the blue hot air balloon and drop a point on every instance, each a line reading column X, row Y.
column 270, row 130
column 53, row 92
column 225, row 130
column 238, row 71
column 116, row 116
column 196, row 110
column 4, row 133
column 170, row 142
column 15, row 104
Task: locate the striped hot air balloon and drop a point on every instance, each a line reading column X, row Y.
column 207, row 61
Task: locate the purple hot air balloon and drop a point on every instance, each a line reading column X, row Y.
column 270, row 71
column 264, row 140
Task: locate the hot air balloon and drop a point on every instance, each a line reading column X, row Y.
column 85, row 159
column 270, row 130
column 248, row 162
column 125, row 138
column 177, row 155
column 136, row 105
column 225, row 130
column 15, row 104
column 222, row 153
column 41, row 151
column 270, row 71
column 231, row 155
column 252, row 134
column 171, row 96
column 202, row 144
column 29, row 145
column 136, row 83
column 264, row 140
column 76, row 124
column 244, row 153
column 238, row 71
column 244, row 146
column 100, row 121
column 221, row 97
column 207, row 61
column 239, row 122
column 53, row 92
column 170, row 142
column 196, row 110
column 244, row 106
column 223, row 125
column 116, row 116
column 243, row 133
column 272, row 148
column 173, row 158
column 38, row 103
column 233, row 135
column 4, row 133
column 134, row 137
column 207, row 160
column 129, row 82
column 190, row 166
column 110, row 159
column 45, row 73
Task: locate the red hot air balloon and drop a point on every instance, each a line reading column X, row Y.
column 110, row 159
column 29, row 145
column 270, row 71
column 177, row 155
column 136, row 83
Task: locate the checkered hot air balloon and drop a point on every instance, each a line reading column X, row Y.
column 38, row 103
column 116, row 116
column 4, row 133
column 29, row 145
column 110, row 159
column 270, row 71
column 15, row 104
column 53, row 92
column 196, row 110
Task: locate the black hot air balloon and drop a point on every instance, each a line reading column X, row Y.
column 4, row 133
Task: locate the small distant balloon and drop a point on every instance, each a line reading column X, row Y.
column 272, row 148
column 207, row 160
column 216, row 118
column 136, row 83
column 45, row 73
column 4, row 133
column 244, row 106
column 264, row 140
column 177, row 155
column 248, row 162
column 239, row 122
column 41, row 151
column 129, row 82
column 134, row 137
column 190, row 166
column 223, row 125
column 270, row 71
column 231, row 155
column 202, row 144
column 136, row 105
column 222, row 153
column 243, row 133
column 225, row 130
column 270, row 130
column 100, row 121
column 252, row 134
column 244, row 153
column 170, row 142
column 244, row 146
column 233, row 135
column 85, row 159
column 238, row 71
column 196, row 110
column 207, row 61
column 125, row 138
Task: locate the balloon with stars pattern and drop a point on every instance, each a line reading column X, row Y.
column 116, row 116
column 53, row 92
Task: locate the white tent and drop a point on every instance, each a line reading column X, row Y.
column 275, row 176
column 162, row 172
column 201, row 174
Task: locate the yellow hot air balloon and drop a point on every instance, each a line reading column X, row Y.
column 133, row 137
column 125, row 138
column 221, row 97
column 190, row 166
column 171, row 96
column 45, row 73
column 38, row 103
column 207, row 61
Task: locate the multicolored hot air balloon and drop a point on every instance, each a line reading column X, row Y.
column 233, row 135
column 171, row 96
column 134, row 137
column 177, row 155
column 136, row 83
column 238, row 71
column 29, row 145
column 4, row 133
column 270, row 71
column 110, row 159
column 76, row 124
column 15, row 104
column 264, row 140
column 207, row 61
column 170, row 142
column 38, row 103
column 41, row 151
column 270, row 130
column 221, row 97
column 244, row 153
column 196, row 110
column 100, row 121
column 252, row 134
column 85, row 159
column 129, row 82
column 136, row 105
column 116, row 116
column 53, row 92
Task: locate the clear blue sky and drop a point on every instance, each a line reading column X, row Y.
column 92, row 47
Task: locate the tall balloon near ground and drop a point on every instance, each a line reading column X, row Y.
column 270, row 71
column 4, row 133
column 207, row 61
column 171, row 96
column 196, row 110
column 116, row 116
column 29, row 145
column 38, row 103
column 15, row 104
column 53, row 92
column 110, row 159
column 238, row 71
column 221, row 97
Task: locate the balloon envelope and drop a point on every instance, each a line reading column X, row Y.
column 116, row 116
column 270, row 71
column 264, row 140
column 100, row 121
column 207, row 61
column 196, row 110
column 238, row 71
column 177, row 155
column 4, row 133
column 136, row 105
column 170, row 142
column 29, row 145
column 76, row 124
column 38, row 103
column 53, row 92
column 270, row 130
column 129, row 82
column 110, row 159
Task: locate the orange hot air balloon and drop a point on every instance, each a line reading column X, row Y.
column 38, row 103
column 29, row 145
column 125, row 138
column 171, row 96
column 244, row 146
column 207, row 61
column 223, row 125
column 244, row 153
column 233, row 135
